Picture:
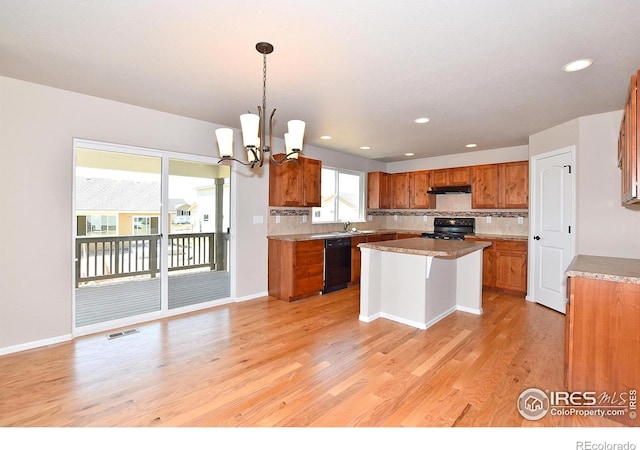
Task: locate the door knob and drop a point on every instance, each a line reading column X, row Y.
column 537, row 238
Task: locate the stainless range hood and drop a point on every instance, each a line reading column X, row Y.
column 450, row 190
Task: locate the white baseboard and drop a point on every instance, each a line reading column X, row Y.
column 251, row 297
column 35, row 344
column 469, row 310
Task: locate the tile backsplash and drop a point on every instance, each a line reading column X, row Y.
column 499, row 222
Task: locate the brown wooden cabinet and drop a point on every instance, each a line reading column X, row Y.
column 419, row 183
column 514, row 185
column 493, row 186
column 295, row 184
column 356, row 256
column 295, row 268
column 504, row 265
column 378, row 190
column 511, row 266
column 503, row 185
column 628, row 155
column 453, row 176
column 484, row 186
column 400, row 190
column 602, row 345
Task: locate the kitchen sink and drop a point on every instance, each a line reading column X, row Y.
column 332, row 234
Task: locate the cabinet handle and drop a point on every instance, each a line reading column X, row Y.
column 537, row 238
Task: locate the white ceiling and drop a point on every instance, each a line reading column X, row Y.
column 484, row 72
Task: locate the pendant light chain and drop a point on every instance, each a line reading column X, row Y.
column 264, row 82
column 257, row 147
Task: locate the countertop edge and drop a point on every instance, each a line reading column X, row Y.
column 604, row 268
column 314, row 236
column 388, row 246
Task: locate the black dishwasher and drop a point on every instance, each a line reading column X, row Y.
column 337, row 264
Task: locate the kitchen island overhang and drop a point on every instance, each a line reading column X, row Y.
column 419, row 281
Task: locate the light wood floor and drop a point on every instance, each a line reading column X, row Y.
column 311, row 363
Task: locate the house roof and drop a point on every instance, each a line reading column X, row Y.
column 105, row 194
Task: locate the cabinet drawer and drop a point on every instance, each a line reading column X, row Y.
column 312, row 270
column 309, row 253
column 510, row 246
column 309, row 285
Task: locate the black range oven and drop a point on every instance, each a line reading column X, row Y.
column 451, row 228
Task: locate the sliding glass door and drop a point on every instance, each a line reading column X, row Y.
column 198, row 224
column 118, row 198
column 151, row 235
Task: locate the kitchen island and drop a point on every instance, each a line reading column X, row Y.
column 419, row 281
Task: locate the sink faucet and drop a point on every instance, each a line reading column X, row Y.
column 346, row 224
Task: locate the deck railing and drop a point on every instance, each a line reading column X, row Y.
column 107, row 257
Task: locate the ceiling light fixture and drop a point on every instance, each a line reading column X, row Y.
column 365, row 147
column 409, row 154
column 422, row 120
column 325, row 137
column 576, row 65
column 471, row 145
column 254, row 129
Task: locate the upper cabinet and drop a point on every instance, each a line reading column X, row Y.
column 484, row 186
column 400, row 190
column 504, row 185
column 628, row 156
column 493, row 186
column 514, row 185
column 454, row 176
column 295, row 184
column 378, row 190
column 419, row 183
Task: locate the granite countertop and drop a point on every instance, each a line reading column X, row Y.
column 338, row 234
column 428, row 247
column 621, row 270
column 334, row 234
column 504, row 237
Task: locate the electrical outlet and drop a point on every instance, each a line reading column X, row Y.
column 369, row 217
column 425, row 218
column 277, row 219
column 488, row 219
column 520, row 220
column 395, row 217
column 304, row 219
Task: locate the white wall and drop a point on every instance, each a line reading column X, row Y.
column 471, row 158
column 604, row 226
column 37, row 127
column 607, row 228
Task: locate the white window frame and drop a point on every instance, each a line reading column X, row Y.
column 361, row 196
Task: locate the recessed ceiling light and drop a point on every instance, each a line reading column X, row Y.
column 325, row 137
column 471, row 145
column 365, row 147
column 421, row 120
column 576, row 65
column 409, row 154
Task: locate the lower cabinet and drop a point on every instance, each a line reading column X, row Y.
column 504, row 265
column 295, row 268
column 356, row 257
column 602, row 347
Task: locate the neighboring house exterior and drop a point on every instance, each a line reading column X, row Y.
column 107, row 206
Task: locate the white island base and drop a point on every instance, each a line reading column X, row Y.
column 419, row 289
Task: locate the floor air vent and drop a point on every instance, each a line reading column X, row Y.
column 123, row 333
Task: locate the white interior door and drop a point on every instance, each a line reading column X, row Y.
column 552, row 238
